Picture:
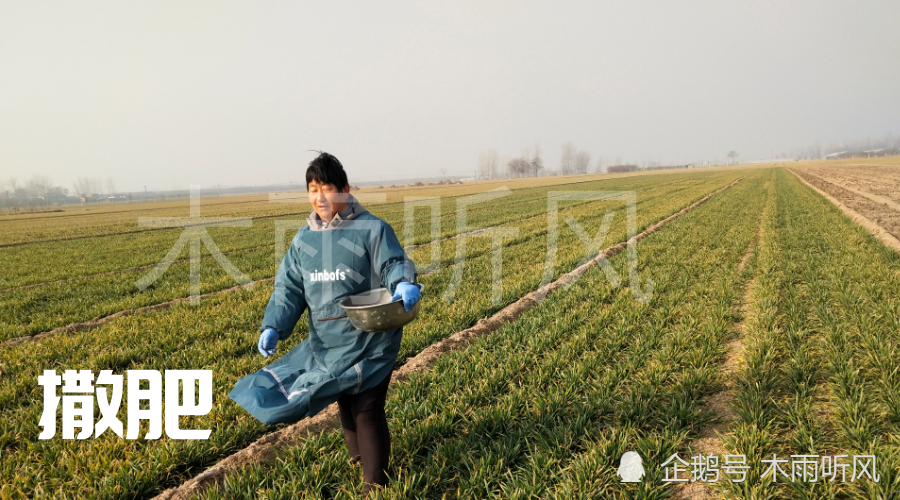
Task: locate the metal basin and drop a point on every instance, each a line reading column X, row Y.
column 373, row 311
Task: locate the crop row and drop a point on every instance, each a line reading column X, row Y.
column 81, row 299
column 546, row 406
column 822, row 371
column 221, row 334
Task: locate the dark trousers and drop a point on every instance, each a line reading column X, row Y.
column 366, row 431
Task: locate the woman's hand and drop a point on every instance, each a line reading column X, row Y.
column 268, row 340
column 408, row 292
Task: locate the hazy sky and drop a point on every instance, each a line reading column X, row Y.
column 165, row 94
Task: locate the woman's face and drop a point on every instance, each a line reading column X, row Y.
column 326, row 199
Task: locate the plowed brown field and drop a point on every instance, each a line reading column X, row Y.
column 871, row 190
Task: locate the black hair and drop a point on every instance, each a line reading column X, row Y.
column 326, row 169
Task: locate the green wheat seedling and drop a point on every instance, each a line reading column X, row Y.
column 85, row 296
column 221, row 335
column 544, row 407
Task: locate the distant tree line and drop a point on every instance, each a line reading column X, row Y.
column 615, row 169
column 527, row 164
column 488, row 167
column 530, row 163
column 39, row 193
column 573, row 160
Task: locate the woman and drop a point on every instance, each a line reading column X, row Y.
column 343, row 250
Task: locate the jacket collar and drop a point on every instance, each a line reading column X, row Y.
column 353, row 210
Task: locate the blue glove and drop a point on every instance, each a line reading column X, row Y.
column 408, row 292
column 268, row 339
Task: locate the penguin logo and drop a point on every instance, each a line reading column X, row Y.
column 631, row 469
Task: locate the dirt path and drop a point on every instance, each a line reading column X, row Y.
column 268, row 447
column 719, row 404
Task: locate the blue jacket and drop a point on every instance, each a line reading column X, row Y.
column 356, row 253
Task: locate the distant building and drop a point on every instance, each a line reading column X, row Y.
column 668, row 167
column 871, row 153
column 874, row 153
